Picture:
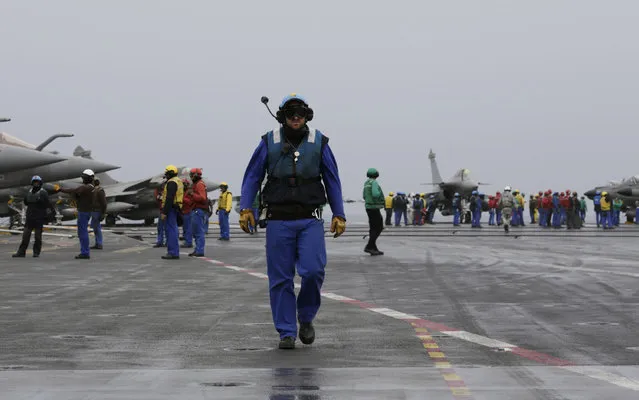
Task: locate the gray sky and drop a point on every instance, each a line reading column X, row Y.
column 539, row 94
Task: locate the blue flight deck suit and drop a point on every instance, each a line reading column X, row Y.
column 476, row 215
column 556, row 215
column 299, row 242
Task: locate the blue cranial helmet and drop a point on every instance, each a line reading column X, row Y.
column 456, row 194
column 598, row 192
column 293, row 96
column 36, row 178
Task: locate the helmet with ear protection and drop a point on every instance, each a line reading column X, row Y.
column 279, row 115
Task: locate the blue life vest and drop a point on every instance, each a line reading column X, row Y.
column 418, row 204
column 597, row 200
column 291, row 182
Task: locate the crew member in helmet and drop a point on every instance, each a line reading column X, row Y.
column 172, row 200
column 297, row 159
column 224, row 205
column 457, row 209
column 374, row 201
column 388, row 207
column 199, row 215
column 98, row 212
column 84, row 199
column 506, row 205
column 38, row 204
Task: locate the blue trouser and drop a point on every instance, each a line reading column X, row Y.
column 637, row 215
column 543, row 217
column 172, row 234
column 398, row 217
column 456, row 217
column 417, row 217
column 289, row 244
column 532, row 216
column 598, row 217
column 97, row 227
column 476, row 216
column 605, row 219
column 498, row 216
column 491, row 216
column 187, row 229
column 617, row 214
column 582, row 214
column 198, row 224
column 556, row 218
column 223, row 218
column 161, row 231
column 206, row 225
column 563, row 216
column 405, row 213
column 83, row 231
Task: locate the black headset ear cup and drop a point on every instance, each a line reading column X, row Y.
column 309, row 114
column 279, row 115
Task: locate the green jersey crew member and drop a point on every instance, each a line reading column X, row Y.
column 297, row 159
column 374, row 201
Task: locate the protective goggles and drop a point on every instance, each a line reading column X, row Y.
column 299, row 111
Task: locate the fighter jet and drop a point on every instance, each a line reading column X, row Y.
column 133, row 200
column 14, row 183
column 458, row 183
column 626, row 189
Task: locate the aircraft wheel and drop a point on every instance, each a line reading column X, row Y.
column 110, row 220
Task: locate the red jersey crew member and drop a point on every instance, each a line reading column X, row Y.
column 199, row 214
column 296, row 159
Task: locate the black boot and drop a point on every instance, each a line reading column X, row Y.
column 16, row 255
column 307, row 332
column 287, row 343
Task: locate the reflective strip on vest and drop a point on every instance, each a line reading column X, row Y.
column 281, row 165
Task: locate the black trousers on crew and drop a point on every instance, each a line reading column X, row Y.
column 376, row 225
column 389, row 214
column 26, row 237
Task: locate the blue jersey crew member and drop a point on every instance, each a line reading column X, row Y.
column 296, row 160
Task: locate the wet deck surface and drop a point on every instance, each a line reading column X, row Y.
column 440, row 316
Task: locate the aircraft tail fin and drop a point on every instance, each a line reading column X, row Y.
column 436, row 177
column 105, row 179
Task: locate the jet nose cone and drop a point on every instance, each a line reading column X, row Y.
column 95, row 166
column 211, row 185
column 590, row 193
column 13, row 158
column 625, row 192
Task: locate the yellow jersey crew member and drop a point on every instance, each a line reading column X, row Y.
column 172, row 198
column 224, row 205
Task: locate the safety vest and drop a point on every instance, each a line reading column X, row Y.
column 388, row 202
column 605, row 204
column 290, row 181
column 597, row 200
column 225, row 201
column 179, row 194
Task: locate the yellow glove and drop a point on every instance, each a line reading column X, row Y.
column 246, row 217
column 56, row 188
column 338, row 226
